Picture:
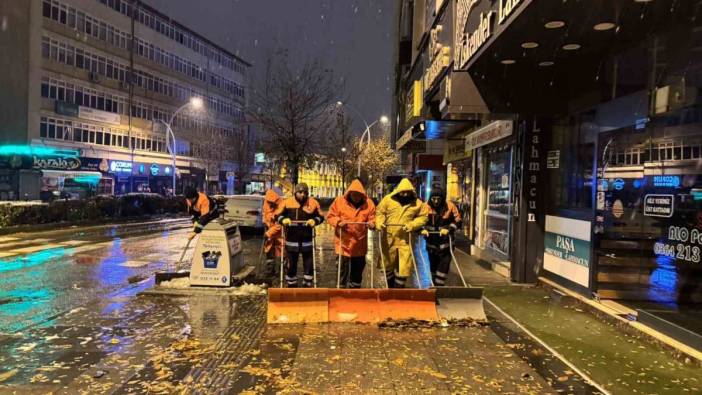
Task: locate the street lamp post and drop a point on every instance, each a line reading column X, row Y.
column 343, row 168
column 196, row 102
column 366, row 134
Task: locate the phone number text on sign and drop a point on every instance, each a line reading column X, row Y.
column 680, row 250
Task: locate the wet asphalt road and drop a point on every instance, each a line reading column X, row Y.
column 48, row 274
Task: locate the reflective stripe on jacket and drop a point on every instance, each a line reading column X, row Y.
column 448, row 217
column 292, row 209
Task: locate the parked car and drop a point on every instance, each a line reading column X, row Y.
column 246, row 210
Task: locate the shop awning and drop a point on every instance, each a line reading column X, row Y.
column 71, row 174
column 431, row 130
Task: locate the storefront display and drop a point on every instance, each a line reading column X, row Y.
column 498, row 210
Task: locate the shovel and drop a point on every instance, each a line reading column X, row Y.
column 464, row 302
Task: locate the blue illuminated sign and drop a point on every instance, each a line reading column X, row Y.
column 666, row 181
column 119, row 166
column 141, row 169
column 167, row 170
column 155, row 169
column 618, row 184
column 637, row 184
column 604, row 185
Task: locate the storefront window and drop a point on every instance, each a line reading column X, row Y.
column 498, row 209
column 649, row 185
column 570, row 162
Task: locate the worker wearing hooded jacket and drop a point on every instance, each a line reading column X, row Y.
column 274, row 240
column 351, row 237
column 398, row 215
column 298, row 236
column 445, row 219
column 202, row 207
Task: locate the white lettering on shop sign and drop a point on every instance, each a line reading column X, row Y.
column 468, row 43
column 488, row 134
column 679, row 244
column 506, row 8
column 440, row 56
column 534, row 167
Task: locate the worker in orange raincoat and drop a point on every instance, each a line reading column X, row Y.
column 202, row 207
column 274, row 241
column 299, row 215
column 352, row 215
column 398, row 215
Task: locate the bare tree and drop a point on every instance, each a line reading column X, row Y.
column 245, row 151
column 213, row 148
column 291, row 108
column 338, row 146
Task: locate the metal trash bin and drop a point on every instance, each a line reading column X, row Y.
column 218, row 254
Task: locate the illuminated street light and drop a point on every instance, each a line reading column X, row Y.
column 197, row 104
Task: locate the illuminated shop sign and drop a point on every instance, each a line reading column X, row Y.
column 118, row 166
column 666, row 181
column 619, row 184
column 469, row 41
column 155, row 169
column 58, row 163
column 440, row 57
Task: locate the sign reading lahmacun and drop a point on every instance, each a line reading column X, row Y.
column 488, row 134
column 474, row 29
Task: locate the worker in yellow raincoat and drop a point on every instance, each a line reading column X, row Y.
column 398, row 215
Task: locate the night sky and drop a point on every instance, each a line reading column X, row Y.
column 354, row 37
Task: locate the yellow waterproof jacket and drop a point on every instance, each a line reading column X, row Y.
column 394, row 246
column 391, row 212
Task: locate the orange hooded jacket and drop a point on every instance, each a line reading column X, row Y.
column 355, row 236
column 271, row 202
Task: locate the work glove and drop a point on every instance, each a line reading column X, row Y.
column 380, row 227
column 286, row 222
column 191, row 235
column 424, row 233
column 407, row 228
column 370, row 225
column 311, row 223
column 444, row 232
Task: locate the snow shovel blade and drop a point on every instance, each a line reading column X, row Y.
column 298, row 305
column 460, row 303
column 377, row 305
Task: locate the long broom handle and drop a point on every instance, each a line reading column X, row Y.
column 453, row 258
column 314, row 260
column 341, row 248
column 455, row 261
column 282, row 257
column 414, row 260
column 382, row 261
column 180, row 261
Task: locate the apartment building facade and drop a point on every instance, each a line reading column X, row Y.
column 92, row 86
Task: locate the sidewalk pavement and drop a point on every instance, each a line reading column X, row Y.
column 620, row 360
